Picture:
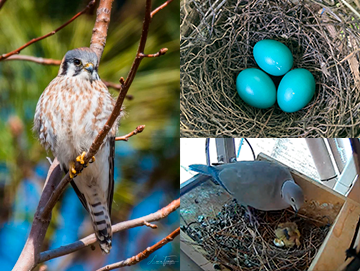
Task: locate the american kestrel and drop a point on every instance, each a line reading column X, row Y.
column 69, row 114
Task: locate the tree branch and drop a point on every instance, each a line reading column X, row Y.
column 160, row 53
column 39, row 60
column 138, row 130
column 98, row 38
column 18, row 50
column 160, row 8
column 91, row 239
column 144, row 254
column 30, row 254
column 118, row 87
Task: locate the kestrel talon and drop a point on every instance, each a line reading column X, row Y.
column 70, row 113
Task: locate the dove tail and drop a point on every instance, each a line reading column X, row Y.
column 101, row 224
column 210, row 171
column 203, row 169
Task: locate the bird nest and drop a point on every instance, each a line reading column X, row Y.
column 231, row 243
column 217, row 40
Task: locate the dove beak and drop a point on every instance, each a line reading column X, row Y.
column 296, row 210
column 89, row 67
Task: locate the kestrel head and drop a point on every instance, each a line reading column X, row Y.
column 81, row 63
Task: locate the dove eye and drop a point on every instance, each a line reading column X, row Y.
column 292, row 199
column 77, row 62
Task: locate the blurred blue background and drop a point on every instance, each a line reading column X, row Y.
column 146, row 167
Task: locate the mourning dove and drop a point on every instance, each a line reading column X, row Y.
column 287, row 235
column 262, row 185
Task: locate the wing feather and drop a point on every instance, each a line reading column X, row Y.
column 80, row 195
column 111, row 172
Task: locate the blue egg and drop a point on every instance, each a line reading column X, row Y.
column 295, row 90
column 256, row 88
column 273, row 57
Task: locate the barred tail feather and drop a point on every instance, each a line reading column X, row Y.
column 102, row 225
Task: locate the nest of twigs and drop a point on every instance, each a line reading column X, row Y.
column 231, row 243
column 217, row 39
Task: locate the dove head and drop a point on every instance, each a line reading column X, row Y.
column 292, row 194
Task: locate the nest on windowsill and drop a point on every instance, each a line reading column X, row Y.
column 232, row 243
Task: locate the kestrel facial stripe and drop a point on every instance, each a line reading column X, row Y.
column 64, row 68
column 77, row 71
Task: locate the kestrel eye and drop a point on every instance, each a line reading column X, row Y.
column 77, row 62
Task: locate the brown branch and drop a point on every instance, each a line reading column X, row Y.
column 18, row 50
column 112, row 85
column 98, row 38
column 39, row 60
column 2, row 2
column 147, row 224
column 160, row 8
column 30, row 254
column 160, row 53
column 91, row 239
column 144, row 254
column 118, row 87
column 138, row 130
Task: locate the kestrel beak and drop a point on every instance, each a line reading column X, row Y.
column 89, row 67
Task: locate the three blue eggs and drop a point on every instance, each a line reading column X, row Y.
column 257, row 89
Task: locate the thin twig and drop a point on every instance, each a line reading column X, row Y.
column 351, row 8
column 112, row 85
column 160, row 8
column 144, row 254
column 147, row 224
column 18, row 50
column 39, row 60
column 138, row 130
column 98, row 38
column 117, row 87
column 91, row 239
column 160, row 53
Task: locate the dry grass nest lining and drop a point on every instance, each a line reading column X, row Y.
column 216, row 44
column 232, row 244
